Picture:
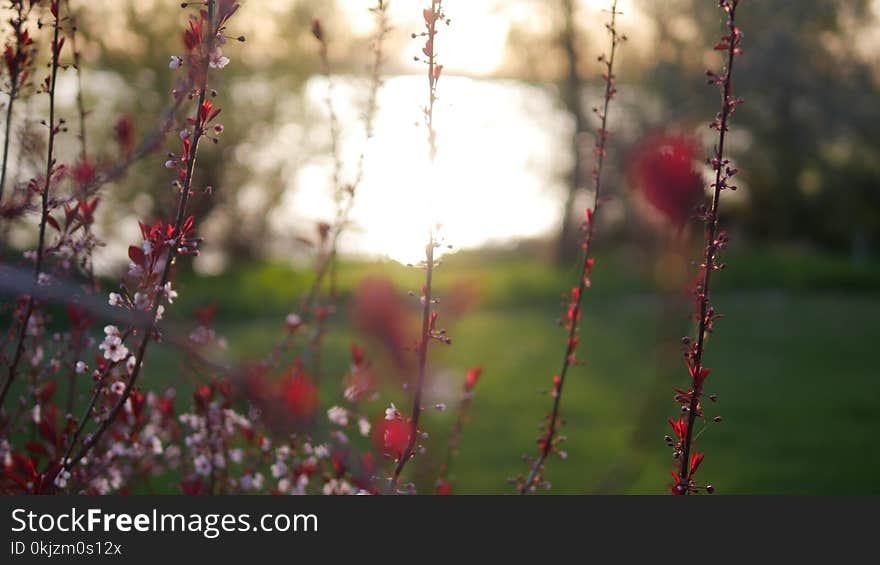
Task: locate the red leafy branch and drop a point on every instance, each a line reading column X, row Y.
column 172, row 239
column 715, row 240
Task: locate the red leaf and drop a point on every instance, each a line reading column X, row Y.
column 136, row 254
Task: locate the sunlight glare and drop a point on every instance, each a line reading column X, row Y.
column 498, row 142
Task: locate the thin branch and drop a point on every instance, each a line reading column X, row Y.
column 713, row 244
column 20, row 60
column 198, row 129
column 432, row 16
column 344, row 196
column 54, row 129
column 550, row 437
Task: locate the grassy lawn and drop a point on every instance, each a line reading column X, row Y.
column 797, row 389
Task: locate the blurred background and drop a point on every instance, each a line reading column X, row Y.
column 791, row 362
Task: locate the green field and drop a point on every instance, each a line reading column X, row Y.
column 798, row 390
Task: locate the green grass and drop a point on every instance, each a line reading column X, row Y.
column 792, row 365
column 798, row 389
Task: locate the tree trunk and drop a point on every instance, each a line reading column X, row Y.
column 571, row 93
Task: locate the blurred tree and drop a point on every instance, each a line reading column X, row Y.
column 268, row 132
column 549, row 48
column 809, row 158
column 571, row 91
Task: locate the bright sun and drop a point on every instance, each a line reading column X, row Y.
column 499, row 143
column 502, row 153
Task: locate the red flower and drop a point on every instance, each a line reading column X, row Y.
column 203, row 396
column 357, row 355
column 391, row 437
column 300, row 394
column 472, row 377
column 192, row 37
column 698, row 378
column 83, row 172
column 379, row 312
column 205, row 315
column 696, row 459
column 665, row 175
column 444, row 488
column 80, row 318
column 124, row 130
column 679, row 427
column 45, row 392
column 207, row 113
column 193, row 486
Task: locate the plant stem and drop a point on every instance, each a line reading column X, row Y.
column 8, row 132
column 423, row 361
column 197, row 132
column 455, row 434
column 327, row 261
column 80, row 101
column 568, row 358
column 712, row 245
column 38, row 266
column 427, row 297
column 14, row 77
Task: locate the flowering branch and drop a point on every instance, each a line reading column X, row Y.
column 691, row 405
column 200, row 39
column 548, row 441
column 432, row 16
column 54, row 129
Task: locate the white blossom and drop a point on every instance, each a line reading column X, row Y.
column 338, row 416
column 364, row 427
column 279, row 469
column 61, row 478
column 334, row 486
column 203, row 465
column 216, row 60
column 114, row 349
column 141, row 301
column 171, row 294
column 293, row 321
column 392, row 412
